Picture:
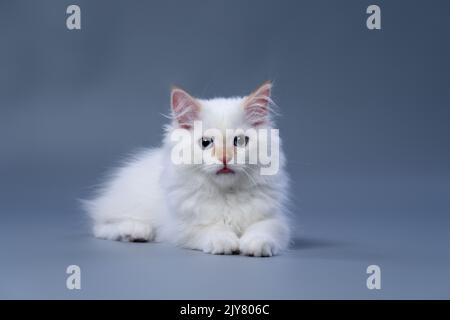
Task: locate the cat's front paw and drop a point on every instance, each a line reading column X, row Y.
column 221, row 243
column 258, row 246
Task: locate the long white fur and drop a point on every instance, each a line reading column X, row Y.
column 150, row 198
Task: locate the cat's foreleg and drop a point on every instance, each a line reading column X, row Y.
column 265, row 238
column 214, row 239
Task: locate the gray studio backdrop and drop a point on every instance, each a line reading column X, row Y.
column 364, row 118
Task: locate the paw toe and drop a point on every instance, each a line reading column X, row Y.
column 127, row 231
column 257, row 247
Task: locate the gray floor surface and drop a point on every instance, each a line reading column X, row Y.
column 328, row 259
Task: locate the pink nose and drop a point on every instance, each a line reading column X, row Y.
column 223, row 155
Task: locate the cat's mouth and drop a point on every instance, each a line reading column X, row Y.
column 225, row 170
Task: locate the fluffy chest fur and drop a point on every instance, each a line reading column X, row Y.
column 201, row 203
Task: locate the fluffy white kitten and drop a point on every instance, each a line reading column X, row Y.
column 219, row 208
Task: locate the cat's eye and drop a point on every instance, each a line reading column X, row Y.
column 206, row 143
column 240, row 141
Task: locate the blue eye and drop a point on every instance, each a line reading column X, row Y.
column 206, row 143
column 240, row 141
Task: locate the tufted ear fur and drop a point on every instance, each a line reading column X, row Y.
column 257, row 104
column 184, row 107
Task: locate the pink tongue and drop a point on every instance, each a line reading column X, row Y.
column 225, row 170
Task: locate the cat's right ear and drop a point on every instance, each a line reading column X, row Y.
column 184, row 107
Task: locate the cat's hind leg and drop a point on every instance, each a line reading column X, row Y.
column 128, row 230
column 130, row 205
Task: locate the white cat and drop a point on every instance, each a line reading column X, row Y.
column 222, row 207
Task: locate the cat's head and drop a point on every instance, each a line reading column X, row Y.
column 223, row 138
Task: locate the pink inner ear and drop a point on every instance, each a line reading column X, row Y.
column 185, row 108
column 257, row 105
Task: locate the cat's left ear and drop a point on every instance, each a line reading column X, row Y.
column 185, row 108
column 257, row 104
